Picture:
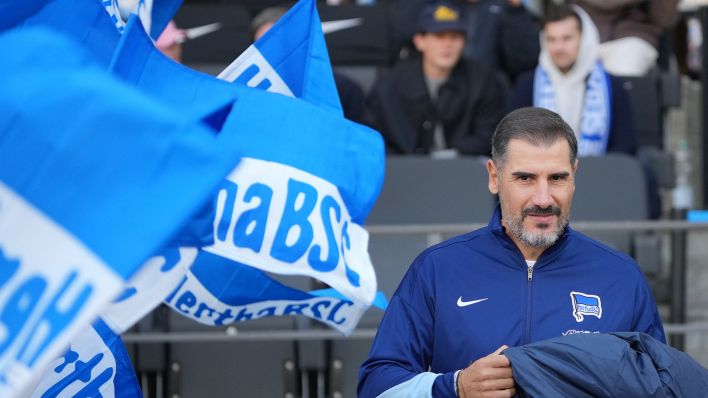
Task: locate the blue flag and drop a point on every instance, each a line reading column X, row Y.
column 154, row 14
column 86, row 21
column 307, row 180
column 290, row 59
column 84, row 163
column 156, row 279
column 95, row 365
column 136, row 61
column 13, row 12
column 218, row 292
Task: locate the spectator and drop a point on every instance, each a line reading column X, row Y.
column 439, row 103
column 525, row 277
column 503, row 34
column 351, row 96
column 630, row 31
column 170, row 42
column 571, row 81
column 500, row 33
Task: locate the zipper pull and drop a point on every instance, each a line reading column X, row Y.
column 530, row 272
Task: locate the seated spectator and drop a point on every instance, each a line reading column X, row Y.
column 503, row 34
column 351, row 96
column 500, row 33
column 630, row 31
column 439, row 103
column 170, row 42
column 571, row 81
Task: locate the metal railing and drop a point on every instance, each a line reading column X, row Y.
column 435, row 232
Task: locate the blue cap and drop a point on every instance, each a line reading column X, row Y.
column 442, row 16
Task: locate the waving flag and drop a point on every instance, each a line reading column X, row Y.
column 86, row 21
column 154, row 14
column 213, row 292
column 290, row 59
column 306, row 182
column 84, row 163
column 14, row 12
column 95, row 365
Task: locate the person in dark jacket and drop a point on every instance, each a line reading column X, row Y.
column 571, row 80
column 500, row 33
column 526, row 277
column 439, row 103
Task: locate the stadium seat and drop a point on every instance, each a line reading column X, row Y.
column 417, row 190
column 363, row 75
column 610, row 188
column 613, row 188
column 239, row 368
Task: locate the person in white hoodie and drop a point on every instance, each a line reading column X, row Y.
column 571, row 80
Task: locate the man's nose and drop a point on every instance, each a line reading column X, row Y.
column 542, row 195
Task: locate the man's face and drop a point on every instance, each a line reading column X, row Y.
column 440, row 50
column 563, row 42
column 535, row 186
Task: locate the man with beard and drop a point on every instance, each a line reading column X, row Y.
column 526, row 277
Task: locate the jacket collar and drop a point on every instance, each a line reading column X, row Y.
column 499, row 231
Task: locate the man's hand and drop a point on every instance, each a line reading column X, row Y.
column 487, row 377
column 515, row 3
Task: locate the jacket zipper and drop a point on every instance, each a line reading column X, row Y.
column 527, row 334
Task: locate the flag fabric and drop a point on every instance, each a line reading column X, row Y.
column 96, row 364
column 156, row 279
column 84, row 163
column 154, row 14
column 290, row 59
column 216, row 291
column 307, row 180
column 138, row 62
column 86, row 21
column 13, row 12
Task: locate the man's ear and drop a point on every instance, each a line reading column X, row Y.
column 418, row 41
column 493, row 183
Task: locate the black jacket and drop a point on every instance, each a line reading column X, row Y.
column 469, row 105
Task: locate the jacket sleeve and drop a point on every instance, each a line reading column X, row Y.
column 401, row 354
column 522, row 93
column 646, row 315
column 375, row 111
column 623, row 137
column 519, row 41
column 663, row 13
column 488, row 113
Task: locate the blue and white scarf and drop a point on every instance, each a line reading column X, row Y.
column 596, row 116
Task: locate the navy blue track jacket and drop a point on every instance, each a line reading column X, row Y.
column 605, row 365
column 464, row 298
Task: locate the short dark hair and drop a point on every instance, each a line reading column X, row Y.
column 559, row 12
column 267, row 15
column 538, row 126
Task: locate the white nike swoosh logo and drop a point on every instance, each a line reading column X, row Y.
column 334, row 26
column 461, row 303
